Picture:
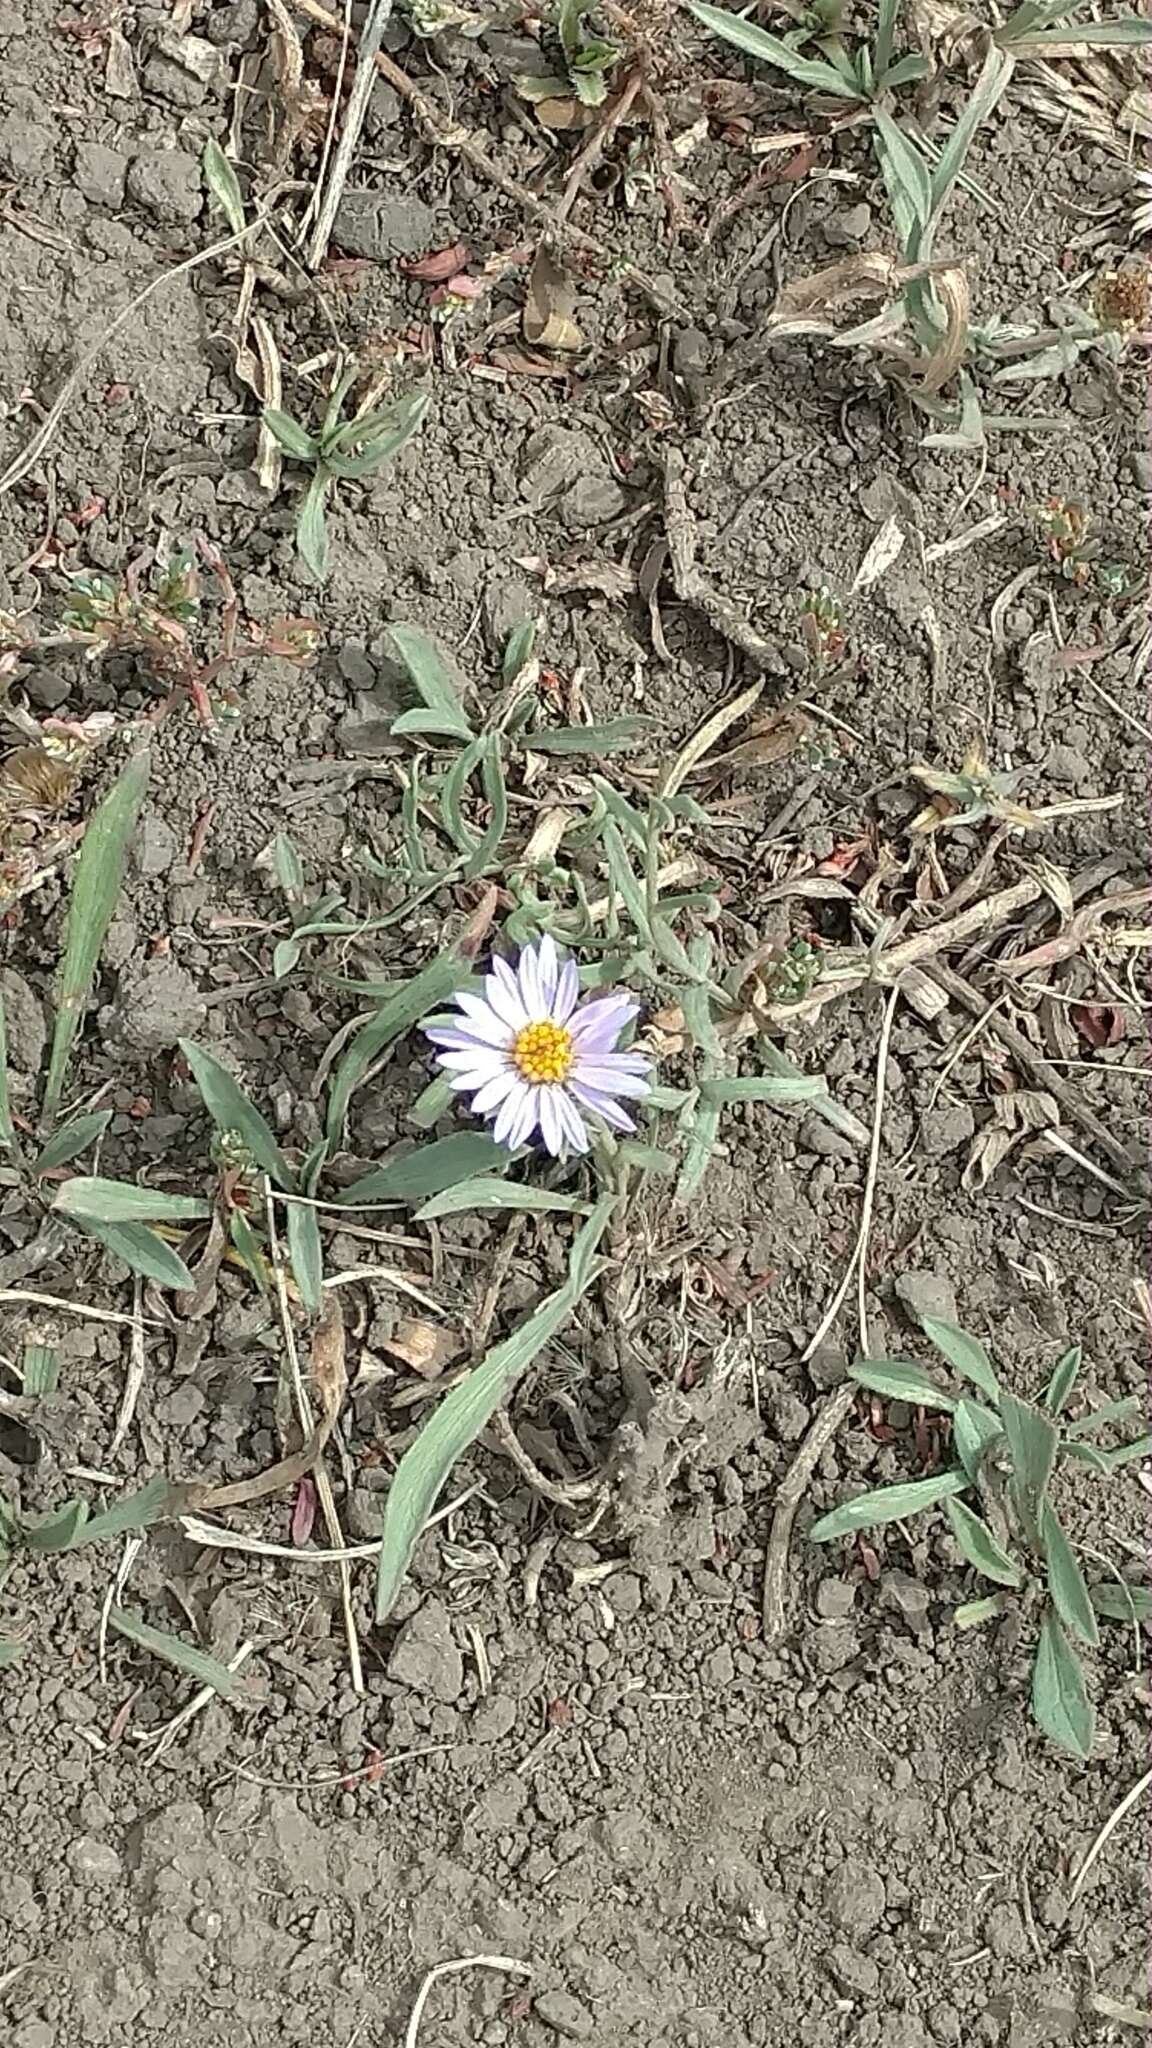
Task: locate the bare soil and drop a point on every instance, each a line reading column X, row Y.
column 575, row 1751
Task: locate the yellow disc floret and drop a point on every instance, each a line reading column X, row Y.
column 543, row 1052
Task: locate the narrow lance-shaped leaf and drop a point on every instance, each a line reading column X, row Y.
column 965, row 1353
column 95, row 892
column 306, row 1255
column 40, row 1366
column 432, row 681
column 462, row 1414
column 223, row 184
column 294, row 439
column 756, row 42
column 484, row 1194
column 142, row 1251
column 156, row 1502
column 887, row 1504
column 183, row 1657
column 429, row 1169
column 312, row 525
column 71, row 1139
column 1123, row 1602
column 234, row 1115
column 899, row 1381
column 88, row 1199
column 1032, row 1438
column 1066, row 1582
column 974, row 1431
column 1060, row 1700
column 1063, row 1380
column 980, row 1546
column 412, row 1001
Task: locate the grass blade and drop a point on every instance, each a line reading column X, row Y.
column 756, row 42
column 887, row 1504
column 615, row 736
column 899, row 1381
column 306, row 1255
column 312, row 526
column 155, row 1502
column 1125, row 33
column 764, row 1088
column 223, row 184
column 142, row 1251
column 463, row 1413
column 1063, row 1380
column 985, row 96
column 412, row 1001
column 974, row 1430
column 484, row 1194
column 429, row 1170
column 907, row 178
column 72, row 1139
column 88, row 1199
column 41, row 1369
column 886, row 14
column 234, row 1115
column 1066, row 1581
column 1060, row 1700
column 58, row 1531
column 1032, row 1440
column 1108, row 1412
column 183, row 1657
column 294, row 439
column 432, row 680
column 979, row 1545
column 95, row 890
column 965, row 1354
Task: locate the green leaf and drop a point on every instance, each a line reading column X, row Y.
column 899, row 1381
column 973, row 1613
column 905, row 71
column 764, row 1088
column 306, row 1255
column 1126, row 1454
column 1063, row 1380
column 980, row 1546
column 287, row 865
column 1108, row 1412
column 223, row 184
column 40, row 1366
column 247, row 1245
column 965, row 1353
column 365, row 444
column 72, row 1139
column 519, row 649
column 432, row 1103
column 88, row 1199
column 156, row 1502
column 184, row 1657
column 484, row 1194
column 1060, row 1700
column 887, row 13
column 462, row 1414
column 95, row 892
column 1127, row 31
column 981, row 101
column 906, row 176
column 432, row 681
column 615, row 736
column 8, row 1138
column 429, row 1170
column 756, row 42
column 10, row 1653
column 1032, row 1439
column 142, row 1251
column 412, row 1001
column 234, row 1116
column 294, row 439
column 1124, row 1602
column 1066, row 1582
column 974, row 1430
column 285, row 955
column 887, row 1504
column 312, row 525
column 58, row 1531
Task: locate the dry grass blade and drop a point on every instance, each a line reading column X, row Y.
column 505, row 1963
column 1109, row 1828
column 95, row 891
column 950, row 288
column 705, row 737
column 371, row 37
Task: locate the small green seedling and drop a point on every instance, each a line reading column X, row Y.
column 1006, row 1453
column 341, row 451
column 972, row 793
column 821, row 628
column 583, row 62
column 1064, row 531
column 860, row 74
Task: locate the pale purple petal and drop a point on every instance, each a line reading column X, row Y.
column 571, row 1122
column 597, row 1025
column 492, row 1094
column 608, row 1078
column 548, row 968
column 459, row 1038
column 484, row 1020
column 550, row 1126
column 509, row 1114
column 528, row 1118
column 567, row 992
column 479, row 1059
column 503, row 992
column 603, row 1106
column 531, row 991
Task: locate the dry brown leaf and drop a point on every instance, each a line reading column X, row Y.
column 563, row 116
column 951, row 288
column 425, row 1348
column 883, row 552
column 548, row 309
column 517, row 364
column 119, row 69
column 770, row 739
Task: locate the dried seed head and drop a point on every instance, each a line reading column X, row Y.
column 1121, row 299
column 33, row 781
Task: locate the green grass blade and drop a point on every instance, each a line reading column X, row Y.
column 432, row 1103
column 40, row 1366
column 183, row 1657
column 306, row 1255
column 615, row 736
column 1127, row 32
column 1064, row 1373
column 222, row 183
column 483, row 1194
column 965, row 1353
column 412, row 1001
column 247, row 1246
column 907, row 178
column 1060, row 1700
column 756, row 42
column 71, row 1139
column 155, row 1502
column 496, row 792
column 1109, row 1412
column 234, row 1115
column 763, row 1088
column 294, row 439
column 57, row 1531
column 312, row 525
column 88, row 1199
column 142, row 1251
column 899, row 1381
column 95, row 891
column 462, row 1414
column 886, row 15
column 1066, row 1581
column 429, row 1170
column 887, row 1504
column 985, row 96
column 1032, row 1438
column 980, row 1546
column 432, row 680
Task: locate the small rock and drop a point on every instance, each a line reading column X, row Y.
column 816, row 1136
column 167, row 183
column 233, row 25
column 26, row 149
column 719, row 1668
column 164, row 79
column 942, row 1130
column 366, row 730
column 845, row 230
column 381, row 226
column 1068, row 766
column 47, row 689
column 1140, row 470
column 355, row 666
column 494, row 1718
column 551, row 458
column 1004, row 1933
column 854, row 1972
column 35, row 2034
column 383, row 110
column 908, row 1597
column 565, row 2015
column 516, row 56
column 100, row 174
column 425, row 1655
column 157, row 848
column 855, row 1896
column 835, row 1599
column 926, row 1294
column 93, row 1862
column 156, row 1004
column 592, row 501
column 24, row 1017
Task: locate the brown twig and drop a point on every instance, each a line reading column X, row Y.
column 614, row 113
column 693, row 588
column 442, row 136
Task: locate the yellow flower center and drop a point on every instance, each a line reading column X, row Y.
column 543, row 1052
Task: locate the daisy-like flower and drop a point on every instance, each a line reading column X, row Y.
column 534, row 1058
